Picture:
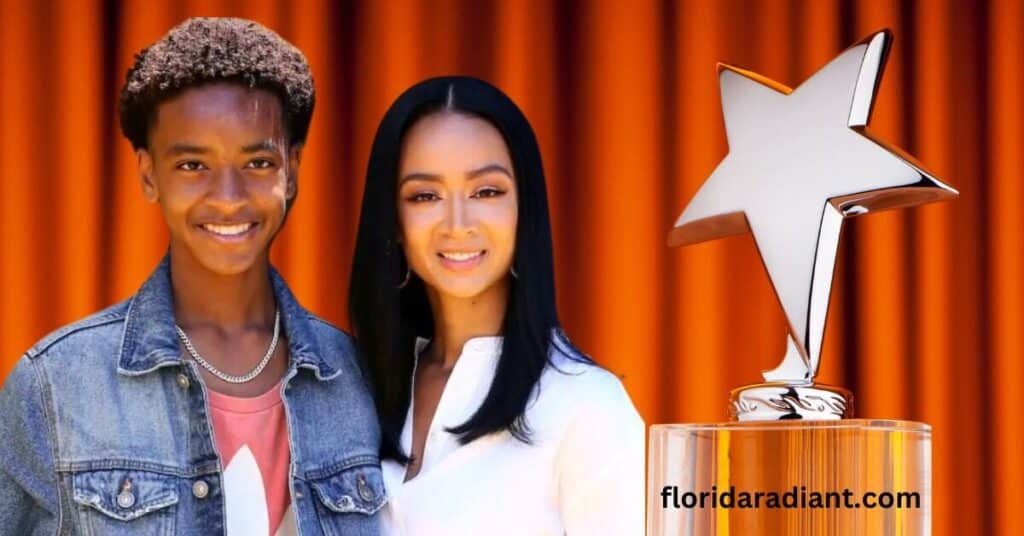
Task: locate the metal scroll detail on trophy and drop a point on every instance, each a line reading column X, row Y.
column 800, row 162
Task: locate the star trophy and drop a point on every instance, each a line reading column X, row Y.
column 793, row 461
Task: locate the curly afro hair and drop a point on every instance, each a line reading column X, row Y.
column 204, row 50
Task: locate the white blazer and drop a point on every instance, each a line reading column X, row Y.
column 583, row 474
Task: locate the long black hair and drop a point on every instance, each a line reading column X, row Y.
column 387, row 319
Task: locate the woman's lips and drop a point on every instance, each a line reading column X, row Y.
column 461, row 260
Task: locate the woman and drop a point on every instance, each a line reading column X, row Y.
column 492, row 421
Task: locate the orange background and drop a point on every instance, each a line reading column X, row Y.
column 624, row 99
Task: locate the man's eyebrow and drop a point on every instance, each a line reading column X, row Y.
column 181, row 148
column 489, row 168
column 260, row 146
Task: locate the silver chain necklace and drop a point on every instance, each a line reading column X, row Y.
column 223, row 375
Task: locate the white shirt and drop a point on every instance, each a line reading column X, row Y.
column 583, row 474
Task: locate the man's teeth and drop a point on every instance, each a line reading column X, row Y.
column 462, row 256
column 228, row 230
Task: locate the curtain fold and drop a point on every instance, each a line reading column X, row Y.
column 927, row 303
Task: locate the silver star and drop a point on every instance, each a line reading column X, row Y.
column 800, row 162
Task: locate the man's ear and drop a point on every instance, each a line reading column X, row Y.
column 294, row 159
column 145, row 163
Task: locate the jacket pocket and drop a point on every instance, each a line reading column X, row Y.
column 358, row 489
column 123, row 501
column 347, row 501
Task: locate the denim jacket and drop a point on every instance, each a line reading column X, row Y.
column 109, row 400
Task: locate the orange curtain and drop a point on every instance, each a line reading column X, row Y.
column 927, row 304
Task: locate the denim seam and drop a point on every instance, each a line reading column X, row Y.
column 51, row 432
column 47, row 343
column 285, row 384
column 93, row 499
column 354, row 507
column 313, row 317
column 126, row 333
column 202, row 469
column 331, row 470
column 208, row 419
column 175, row 360
column 335, row 330
column 317, row 373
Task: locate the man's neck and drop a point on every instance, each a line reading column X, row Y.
column 226, row 302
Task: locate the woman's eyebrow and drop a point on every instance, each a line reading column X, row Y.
column 489, row 168
column 419, row 176
column 472, row 174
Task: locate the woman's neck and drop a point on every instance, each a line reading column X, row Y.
column 457, row 320
column 227, row 303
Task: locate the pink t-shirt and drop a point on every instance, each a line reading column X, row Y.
column 252, row 437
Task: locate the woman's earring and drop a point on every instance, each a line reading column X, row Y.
column 513, row 272
column 408, row 275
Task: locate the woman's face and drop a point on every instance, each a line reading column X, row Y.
column 457, row 204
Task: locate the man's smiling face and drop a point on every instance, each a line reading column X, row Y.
column 219, row 165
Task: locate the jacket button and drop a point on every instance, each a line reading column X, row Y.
column 183, row 381
column 200, row 489
column 126, row 499
column 365, row 493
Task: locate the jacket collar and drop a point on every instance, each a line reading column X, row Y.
column 149, row 340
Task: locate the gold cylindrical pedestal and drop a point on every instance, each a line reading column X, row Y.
column 843, row 477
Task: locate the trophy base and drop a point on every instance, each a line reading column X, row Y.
column 779, row 401
column 843, row 477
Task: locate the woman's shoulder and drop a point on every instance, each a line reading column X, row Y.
column 571, row 365
column 577, row 384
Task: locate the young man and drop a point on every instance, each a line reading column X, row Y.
column 210, row 401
